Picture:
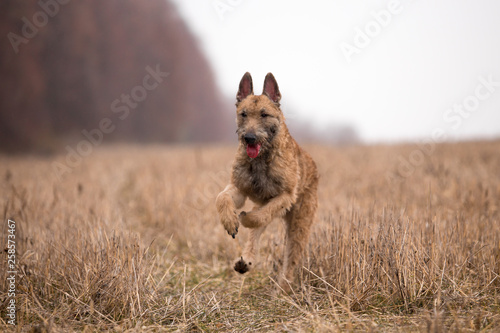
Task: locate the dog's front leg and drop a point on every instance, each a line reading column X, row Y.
column 261, row 217
column 227, row 202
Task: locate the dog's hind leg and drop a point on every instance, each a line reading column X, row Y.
column 251, row 252
column 298, row 222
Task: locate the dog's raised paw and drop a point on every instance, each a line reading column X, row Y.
column 246, row 219
column 231, row 226
column 241, row 266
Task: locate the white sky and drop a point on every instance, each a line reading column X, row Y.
column 399, row 87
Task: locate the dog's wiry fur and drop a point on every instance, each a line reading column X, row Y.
column 281, row 180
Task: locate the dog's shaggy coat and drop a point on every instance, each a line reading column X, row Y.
column 274, row 172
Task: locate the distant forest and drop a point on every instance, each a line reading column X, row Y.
column 66, row 65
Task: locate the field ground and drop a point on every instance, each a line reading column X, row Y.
column 129, row 240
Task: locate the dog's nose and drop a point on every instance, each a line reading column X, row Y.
column 250, row 138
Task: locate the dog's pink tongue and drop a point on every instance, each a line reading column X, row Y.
column 253, row 150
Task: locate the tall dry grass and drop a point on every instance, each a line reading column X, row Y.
column 130, row 241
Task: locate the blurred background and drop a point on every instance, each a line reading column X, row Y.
column 168, row 71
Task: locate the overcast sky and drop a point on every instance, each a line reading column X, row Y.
column 394, row 70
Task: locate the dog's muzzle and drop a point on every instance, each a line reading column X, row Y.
column 250, row 138
column 252, row 145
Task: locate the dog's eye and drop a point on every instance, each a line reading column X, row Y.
column 264, row 115
column 244, row 114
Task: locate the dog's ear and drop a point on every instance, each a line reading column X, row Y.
column 271, row 89
column 246, row 87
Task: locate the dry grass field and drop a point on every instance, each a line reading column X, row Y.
column 130, row 241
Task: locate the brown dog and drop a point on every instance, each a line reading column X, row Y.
column 272, row 171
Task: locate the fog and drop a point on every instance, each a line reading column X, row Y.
column 168, row 71
column 394, row 70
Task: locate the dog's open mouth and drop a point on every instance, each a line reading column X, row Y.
column 253, row 150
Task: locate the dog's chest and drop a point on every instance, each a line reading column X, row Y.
column 259, row 180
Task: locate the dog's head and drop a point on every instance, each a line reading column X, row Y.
column 258, row 117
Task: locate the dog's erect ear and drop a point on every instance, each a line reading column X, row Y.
column 246, row 87
column 271, row 89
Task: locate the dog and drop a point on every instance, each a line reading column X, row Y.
column 275, row 173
